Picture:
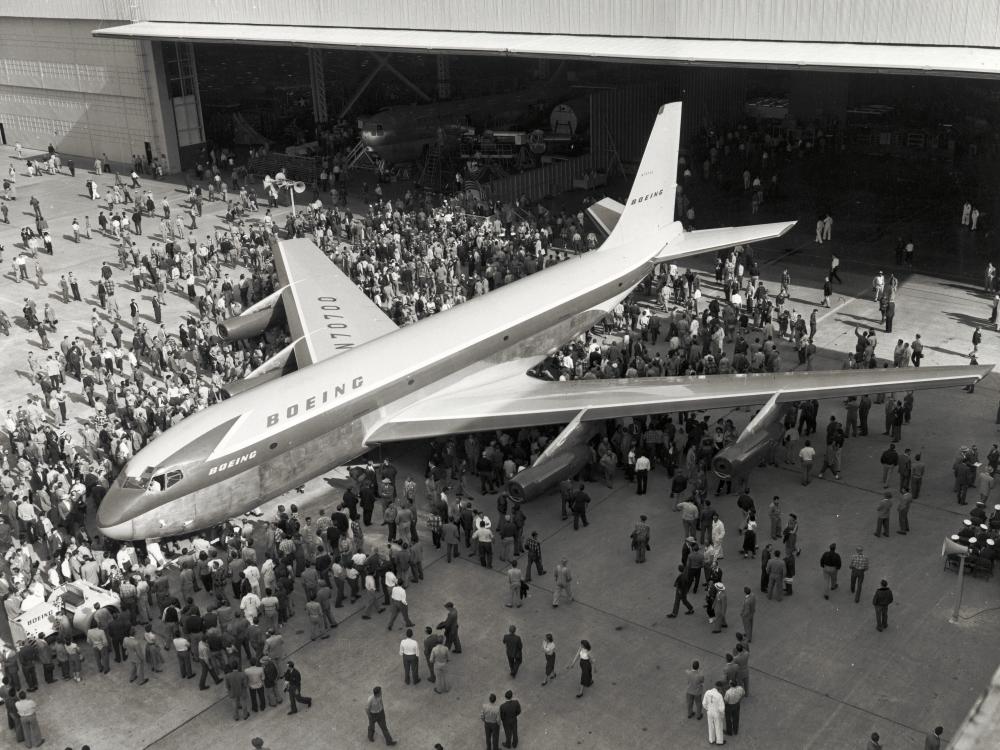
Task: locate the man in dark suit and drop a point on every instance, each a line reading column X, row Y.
column 450, row 626
column 512, row 642
column 293, row 686
column 510, row 709
column 747, row 610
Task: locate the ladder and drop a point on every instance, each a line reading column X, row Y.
column 360, row 157
column 431, row 172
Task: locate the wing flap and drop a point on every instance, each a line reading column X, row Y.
column 522, row 401
column 327, row 313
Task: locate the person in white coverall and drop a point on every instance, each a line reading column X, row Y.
column 715, row 711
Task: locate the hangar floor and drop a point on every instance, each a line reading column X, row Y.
column 822, row 677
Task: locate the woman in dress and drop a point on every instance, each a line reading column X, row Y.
column 586, row 660
column 750, row 536
column 549, row 649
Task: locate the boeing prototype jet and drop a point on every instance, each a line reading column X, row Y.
column 355, row 380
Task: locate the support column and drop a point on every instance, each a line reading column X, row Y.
column 317, row 82
column 443, row 77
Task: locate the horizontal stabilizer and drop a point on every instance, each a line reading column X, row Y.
column 704, row 240
column 605, row 214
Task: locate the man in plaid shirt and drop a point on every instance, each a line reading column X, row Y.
column 434, row 524
column 859, row 564
column 112, row 303
column 534, row 549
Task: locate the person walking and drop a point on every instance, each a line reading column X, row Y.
column 858, row 566
column 490, row 714
column 830, row 563
column 774, row 514
column 515, row 650
column 549, row 650
column 410, row 651
column 438, row 661
column 293, row 686
column 889, row 461
column 640, row 539
column 375, row 710
column 642, row 466
column 807, row 457
column 903, row 513
column 510, row 709
column 881, row 601
column 747, row 610
column 882, row 511
column 776, row 571
column 533, row 547
column 933, row 739
column 450, row 627
column 681, row 585
column 719, row 607
column 399, row 606
column 431, row 639
column 715, row 707
column 515, row 578
column 564, row 581
column 695, row 688
column 587, row 670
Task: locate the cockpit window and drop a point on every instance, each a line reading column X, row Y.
column 379, row 130
column 164, row 480
column 139, row 482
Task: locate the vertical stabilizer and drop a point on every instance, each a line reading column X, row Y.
column 649, row 210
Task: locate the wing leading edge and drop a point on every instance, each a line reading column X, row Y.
column 522, row 401
column 327, row 313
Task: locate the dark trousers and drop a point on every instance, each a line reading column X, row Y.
column 514, row 662
column 119, row 648
column 257, row 699
column 882, row 526
column 680, row 596
column 411, row 667
column 857, row 578
column 295, row 694
column 641, row 477
column 881, row 617
column 452, row 642
column 207, row 670
column 537, row 562
column 578, row 516
column 694, row 705
column 732, row 718
column 451, row 550
column 695, row 578
column 485, row 555
column 492, row 736
column 510, row 733
column 378, row 719
column 30, row 676
column 49, row 670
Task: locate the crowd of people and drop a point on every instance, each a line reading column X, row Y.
column 223, row 605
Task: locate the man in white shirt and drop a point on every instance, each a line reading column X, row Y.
column 807, row 455
column 409, row 649
column 250, row 604
column 399, row 605
column 642, row 466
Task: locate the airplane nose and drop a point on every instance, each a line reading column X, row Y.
column 117, row 510
column 123, row 532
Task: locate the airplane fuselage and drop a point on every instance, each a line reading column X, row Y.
column 261, row 443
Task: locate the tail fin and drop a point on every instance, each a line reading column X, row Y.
column 650, row 206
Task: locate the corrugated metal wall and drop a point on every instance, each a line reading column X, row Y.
column 712, row 98
column 949, row 22
column 538, row 183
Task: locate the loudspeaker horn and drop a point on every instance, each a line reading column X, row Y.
column 299, row 187
column 953, row 548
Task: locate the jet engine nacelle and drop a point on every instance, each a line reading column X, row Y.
column 739, row 458
column 535, row 480
column 251, row 323
column 273, row 368
column 764, row 430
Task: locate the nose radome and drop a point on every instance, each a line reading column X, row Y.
column 123, row 532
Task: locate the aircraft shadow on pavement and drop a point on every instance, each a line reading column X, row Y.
column 969, row 320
